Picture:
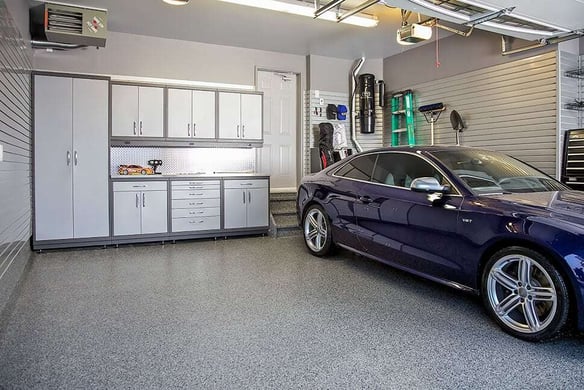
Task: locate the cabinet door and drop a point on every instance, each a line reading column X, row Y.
column 235, row 208
column 203, row 114
column 53, row 181
column 90, row 158
column 179, row 113
column 154, row 212
column 251, row 116
column 257, row 207
column 229, row 115
column 151, row 112
column 124, row 110
column 127, row 213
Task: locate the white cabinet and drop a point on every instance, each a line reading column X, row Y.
column 191, row 114
column 196, row 205
column 140, row 207
column 240, row 116
column 246, row 203
column 70, row 158
column 137, row 111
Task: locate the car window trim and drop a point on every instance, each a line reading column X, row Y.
column 424, row 158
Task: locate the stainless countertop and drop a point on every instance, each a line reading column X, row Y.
column 189, row 176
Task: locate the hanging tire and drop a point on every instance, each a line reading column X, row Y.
column 525, row 294
column 316, row 229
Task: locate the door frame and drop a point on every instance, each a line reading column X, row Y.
column 299, row 143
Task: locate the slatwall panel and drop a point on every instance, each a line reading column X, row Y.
column 15, row 169
column 313, row 117
column 510, row 107
column 569, row 91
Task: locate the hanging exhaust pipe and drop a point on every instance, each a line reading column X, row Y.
column 354, row 72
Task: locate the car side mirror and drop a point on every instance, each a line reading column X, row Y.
column 431, row 186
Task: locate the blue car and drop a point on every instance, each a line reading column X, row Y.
column 476, row 220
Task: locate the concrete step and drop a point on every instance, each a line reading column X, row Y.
column 280, row 196
column 283, row 207
column 285, row 221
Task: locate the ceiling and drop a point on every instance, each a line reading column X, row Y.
column 216, row 22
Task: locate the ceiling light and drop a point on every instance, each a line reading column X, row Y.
column 305, row 10
column 176, row 2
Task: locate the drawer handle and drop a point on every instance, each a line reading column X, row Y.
column 195, row 187
column 246, row 184
column 196, row 194
column 196, row 204
column 192, row 222
column 144, row 186
column 196, row 212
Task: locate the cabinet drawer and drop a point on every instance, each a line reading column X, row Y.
column 139, row 186
column 195, row 194
column 192, row 224
column 196, row 183
column 253, row 183
column 193, row 213
column 197, row 203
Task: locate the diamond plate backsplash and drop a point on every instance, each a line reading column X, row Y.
column 186, row 160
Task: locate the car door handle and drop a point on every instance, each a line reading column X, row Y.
column 365, row 199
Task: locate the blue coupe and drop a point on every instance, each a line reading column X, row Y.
column 476, row 220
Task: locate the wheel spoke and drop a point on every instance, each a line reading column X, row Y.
column 504, row 279
column 543, row 294
column 508, row 304
column 531, row 316
column 313, row 222
column 318, row 241
column 524, row 271
column 311, row 235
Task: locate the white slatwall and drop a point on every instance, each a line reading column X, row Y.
column 15, row 170
column 312, row 119
column 510, row 107
column 570, row 90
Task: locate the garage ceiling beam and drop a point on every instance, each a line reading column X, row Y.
column 326, row 7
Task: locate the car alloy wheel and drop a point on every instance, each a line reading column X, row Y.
column 317, row 235
column 525, row 293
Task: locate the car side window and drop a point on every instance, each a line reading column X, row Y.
column 400, row 169
column 359, row 168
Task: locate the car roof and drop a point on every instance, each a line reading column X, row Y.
column 423, row 148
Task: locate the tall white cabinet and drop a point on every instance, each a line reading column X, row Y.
column 191, row 113
column 240, row 116
column 70, row 158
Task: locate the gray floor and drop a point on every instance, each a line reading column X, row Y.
column 258, row 313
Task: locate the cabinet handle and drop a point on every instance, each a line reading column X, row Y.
column 196, row 204
column 189, row 129
column 137, row 200
column 195, row 187
column 142, row 186
column 249, row 196
column 134, row 127
column 196, row 194
column 75, row 158
column 194, row 129
column 243, row 197
column 143, row 199
column 68, row 158
column 237, row 131
column 140, row 127
column 196, row 222
column 246, row 184
column 243, row 131
column 196, row 212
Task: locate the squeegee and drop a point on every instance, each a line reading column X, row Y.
column 432, row 113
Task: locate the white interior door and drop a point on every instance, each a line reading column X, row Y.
column 277, row 157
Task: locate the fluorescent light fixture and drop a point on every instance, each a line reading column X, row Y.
column 176, row 2
column 303, row 10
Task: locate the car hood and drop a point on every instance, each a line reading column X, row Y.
column 568, row 203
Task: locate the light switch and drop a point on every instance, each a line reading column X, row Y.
column 1, row 153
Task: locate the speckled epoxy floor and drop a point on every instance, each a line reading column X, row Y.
column 258, row 313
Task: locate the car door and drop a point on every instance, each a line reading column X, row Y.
column 401, row 226
column 343, row 198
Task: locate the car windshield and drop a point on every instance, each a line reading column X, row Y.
column 487, row 172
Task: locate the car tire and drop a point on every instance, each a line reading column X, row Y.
column 125, row 172
column 143, row 171
column 525, row 294
column 316, row 229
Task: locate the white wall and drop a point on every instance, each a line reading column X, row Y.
column 332, row 74
column 144, row 56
